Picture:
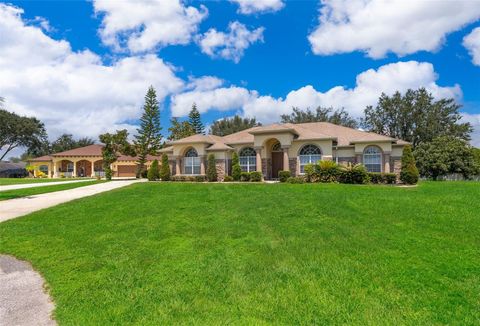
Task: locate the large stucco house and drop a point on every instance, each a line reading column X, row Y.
column 268, row 149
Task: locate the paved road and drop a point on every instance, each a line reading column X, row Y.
column 40, row 184
column 22, row 298
column 21, row 206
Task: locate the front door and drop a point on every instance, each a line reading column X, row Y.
column 277, row 163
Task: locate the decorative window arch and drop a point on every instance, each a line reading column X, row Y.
column 309, row 154
column 192, row 162
column 372, row 159
column 277, row 147
column 248, row 159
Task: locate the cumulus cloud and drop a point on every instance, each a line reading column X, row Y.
column 230, row 45
column 377, row 27
column 472, row 43
column 145, row 25
column 248, row 7
column 71, row 91
column 474, row 119
column 369, row 85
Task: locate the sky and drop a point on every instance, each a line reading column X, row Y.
column 83, row 67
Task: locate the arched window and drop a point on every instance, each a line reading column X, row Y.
column 309, row 154
column 43, row 168
column 372, row 159
column 248, row 160
column 192, row 162
column 277, row 147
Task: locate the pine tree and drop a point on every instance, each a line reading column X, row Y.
column 409, row 173
column 165, row 168
column 195, row 120
column 149, row 139
column 211, row 168
column 236, row 169
column 179, row 129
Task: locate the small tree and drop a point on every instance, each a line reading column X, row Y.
column 165, row 168
column 236, row 169
column 195, row 120
column 211, row 168
column 114, row 144
column 409, row 173
column 153, row 173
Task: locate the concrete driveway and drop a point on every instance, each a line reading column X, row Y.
column 21, row 206
column 39, row 184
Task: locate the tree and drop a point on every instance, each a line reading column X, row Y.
column 232, row 125
column 149, row 139
column 153, row 173
column 165, row 169
column 409, row 173
column 338, row 117
column 236, row 169
column 18, row 131
column 445, row 155
column 415, row 117
column 179, row 129
column 195, row 120
column 211, row 168
column 476, row 155
column 115, row 144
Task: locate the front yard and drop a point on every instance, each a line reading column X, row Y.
column 19, row 181
column 164, row 253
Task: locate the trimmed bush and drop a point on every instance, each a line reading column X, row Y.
column 354, row 174
column 211, row 168
column 327, row 171
column 297, row 180
column 376, row 177
column 390, row 178
column 228, row 178
column 255, row 176
column 153, row 173
column 199, row 178
column 409, row 173
column 165, row 168
column 284, row 175
column 236, row 169
column 244, row 176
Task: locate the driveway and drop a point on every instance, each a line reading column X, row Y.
column 39, row 184
column 22, row 206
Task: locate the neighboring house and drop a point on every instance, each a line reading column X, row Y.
column 267, row 149
column 12, row 170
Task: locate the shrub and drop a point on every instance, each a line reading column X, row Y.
column 376, row 177
column 199, row 178
column 255, row 176
column 284, row 175
column 153, row 173
column 390, row 178
column 228, row 178
column 353, row 173
column 311, row 174
column 63, row 175
column 211, row 168
column 165, row 168
column 327, row 171
column 144, row 173
column 244, row 176
column 236, row 169
column 409, row 173
column 297, row 180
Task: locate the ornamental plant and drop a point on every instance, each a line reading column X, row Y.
column 211, row 168
column 153, row 173
column 165, row 168
column 354, row 173
column 255, row 176
column 284, row 175
column 327, row 171
column 409, row 173
column 236, row 169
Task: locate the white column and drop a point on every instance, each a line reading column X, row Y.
column 386, row 157
column 202, row 164
column 286, row 163
column 74, row 169
column 258, row 156
column 92, row 172
column 178, row 170
column 55, row 169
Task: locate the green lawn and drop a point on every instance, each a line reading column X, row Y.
column 18, row 181
column 174, row 253
column 11, row 194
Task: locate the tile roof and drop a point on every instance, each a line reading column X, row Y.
column 45, row 158
column 91, row 150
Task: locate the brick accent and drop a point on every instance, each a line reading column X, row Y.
column 220, row 166
column 267, row 168
column 173, row 164
column 292, row 164
column 396, row 163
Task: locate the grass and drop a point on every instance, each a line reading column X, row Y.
column 156, row 253
column 18, row 181
column 17, row 193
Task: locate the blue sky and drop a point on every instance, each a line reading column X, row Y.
column 90, row 62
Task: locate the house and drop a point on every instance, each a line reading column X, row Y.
column 12, row 170
column 267, row 149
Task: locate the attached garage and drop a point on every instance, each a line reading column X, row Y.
column 126, row 170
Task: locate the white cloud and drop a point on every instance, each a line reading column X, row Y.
column 71, row 91
column 146, row 25
column 248, row 7
column 369, row 85
column 378, row 27
column 474, row 119
column 472, row 43
column 231, row 45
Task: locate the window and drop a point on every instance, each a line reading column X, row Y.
column 43, row 169
column 69, row 167
column 248, row 160
column 372, row 159
column 309, row 154
column 192, row 162
column 277, row 147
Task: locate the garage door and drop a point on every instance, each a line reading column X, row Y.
column 126, row 170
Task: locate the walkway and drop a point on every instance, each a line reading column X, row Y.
column 22, row 206
column 40, row 184
column 22, row 297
